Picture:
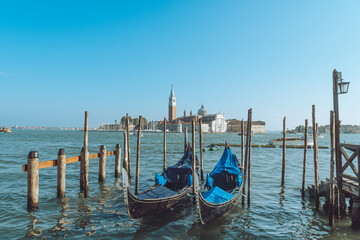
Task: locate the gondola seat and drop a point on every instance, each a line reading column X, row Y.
column 225, row 180
column 158, row 192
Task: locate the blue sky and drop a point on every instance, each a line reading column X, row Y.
column 60, row 58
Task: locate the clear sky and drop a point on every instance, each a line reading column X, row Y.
column 60, row 58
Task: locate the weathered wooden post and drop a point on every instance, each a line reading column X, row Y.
column 86, row 156
column 61, row 173
column 304, row 163
column 355, row 211
column 242, row 143
column 128, row 145
column 283, row 153
column 102, row 164
column 82, row 169
column 33, row 181
column 164, row 165
column 193, row 156
column 245, row 160
column 316, row 161
column 117, row 160
column 249, row 165
column 138, row 158
column 186, row 139
column 332, row 162
column 338, row 156
column 125, row 160
column 201, row 150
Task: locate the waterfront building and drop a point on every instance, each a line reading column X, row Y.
column 234, row 125
column 214, row 123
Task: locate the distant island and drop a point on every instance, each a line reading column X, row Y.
column 346, row 129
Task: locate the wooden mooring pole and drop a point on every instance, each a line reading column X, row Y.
column 316, row 160
column 102, row 164
column 117, row 160
column 201, row 150
column 332, row 163
column 128, row 145
column 193, row 156
column 186, row 139
column 245, row 160
column 242, row 143
column 86, row 156
column 33, row 181
column 338, row 156
column 164, row 165
column 138, row 158
column 249, row 164
column 125, row 160
column 61, row 173
column 283, row 153
column 82, row 166
column 304, row 163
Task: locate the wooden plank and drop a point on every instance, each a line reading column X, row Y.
column 344, row 153
column 349, row 177
column 351, row 187
column 351, row 147
column 94, row 155
column 110, row 153
column 53, row 163
column 348, row 160
column 72, row 159
column 354, row 169
column 47, row 164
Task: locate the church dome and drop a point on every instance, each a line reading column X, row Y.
column 202, row 111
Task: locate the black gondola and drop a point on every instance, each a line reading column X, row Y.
column 173, row 186
column 222, row 189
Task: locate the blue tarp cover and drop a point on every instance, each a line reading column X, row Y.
column 159, row 179
column 228, row 162
column 180, row 172
column 217, row 195
column 158, row 192
column 209, row 182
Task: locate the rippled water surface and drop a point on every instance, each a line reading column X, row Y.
column 275, row 212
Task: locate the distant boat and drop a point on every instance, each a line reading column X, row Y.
column 296, row 141
column 3, row 129
column 136, row 133
column 211, row 147
column 245, row 134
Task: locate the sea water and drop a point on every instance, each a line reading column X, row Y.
column 275, row 212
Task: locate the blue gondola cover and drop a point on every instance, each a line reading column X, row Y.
column 228, row 162
column 179, row 173
column 217, row 195
column 159, row 179
column 209, row 182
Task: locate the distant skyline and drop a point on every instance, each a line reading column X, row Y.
column 59, row 59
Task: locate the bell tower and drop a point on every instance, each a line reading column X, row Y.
column 172, row 105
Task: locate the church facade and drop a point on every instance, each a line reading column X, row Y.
column 214, row 123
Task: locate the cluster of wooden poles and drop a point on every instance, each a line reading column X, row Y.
column 33, row 165
column 316, row 162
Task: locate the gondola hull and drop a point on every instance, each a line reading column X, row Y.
column 149, row 207
column 208, row 211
